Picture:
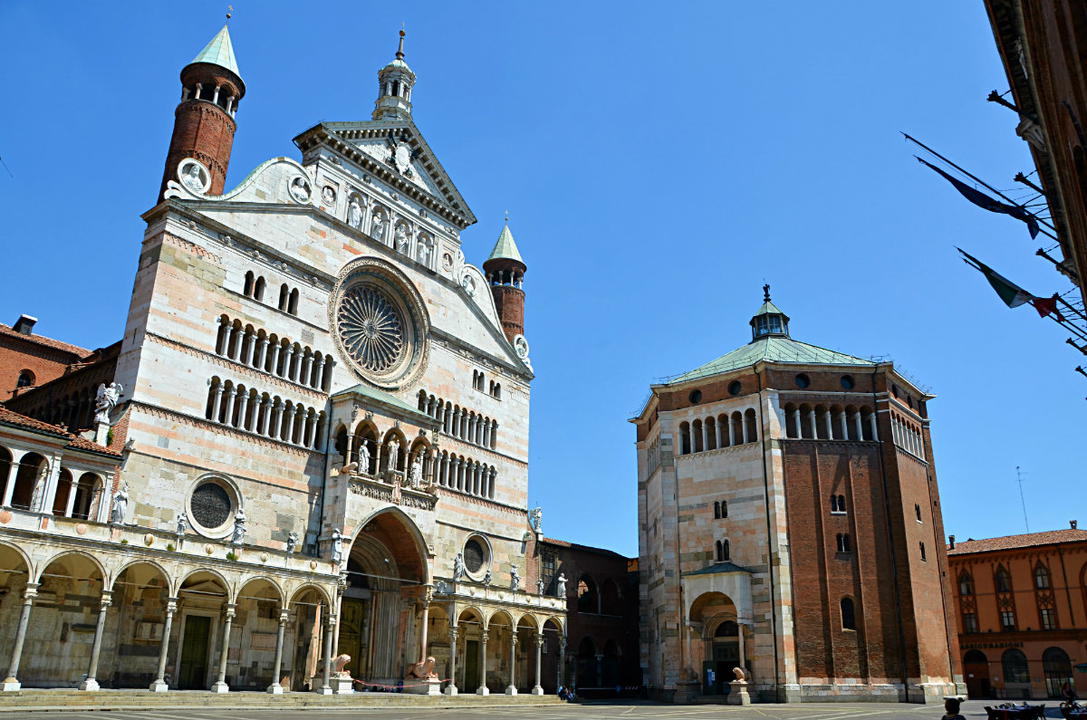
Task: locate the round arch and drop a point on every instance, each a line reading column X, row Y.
column 391, row 526
column 277, row 591
column 82, row 556
column 153, row 564
column 202, row 575
column 301, row 590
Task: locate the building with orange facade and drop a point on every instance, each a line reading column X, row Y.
column 1021, row 610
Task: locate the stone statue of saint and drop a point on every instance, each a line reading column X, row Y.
column 537, row 519
column 515, row 579
column 402, row 238
column 300, row 190
column 424, row 253
column 193, row 178
column 459, row 570
column 560, row 585
column 469, row 285
column 354, row 214
column 292, row 542
column 377, row 227
column 539, row 586
column 105, row 400
column 336, row 550
column 364, row 458
column 415, row 477
column 238, row 536
column 394, row 453
column 120, row 504
column 487, row 578
column 182, row 524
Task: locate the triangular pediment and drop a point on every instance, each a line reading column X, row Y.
column 397, row 153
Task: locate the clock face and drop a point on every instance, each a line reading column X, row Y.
column 402, row 157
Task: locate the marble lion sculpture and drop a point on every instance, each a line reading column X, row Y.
column 741, row 676
column 423, row 670
column 338, row 664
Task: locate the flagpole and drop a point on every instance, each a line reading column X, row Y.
column 978, row 180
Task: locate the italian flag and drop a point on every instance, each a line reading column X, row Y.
column 1012, row 295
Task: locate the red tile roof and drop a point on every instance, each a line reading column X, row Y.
column 47, row 341
column 587, row 548
column 1012, row 542
column 10, row 417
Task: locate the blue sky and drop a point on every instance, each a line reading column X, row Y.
column 659, row 162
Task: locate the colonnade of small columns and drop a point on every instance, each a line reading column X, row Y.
column 273, row 417
column 907, row 436
column 511, row 688
column 277, row 356
column 466, row 475
column 722, row 431
column 829, row 422
column 198, row 92
column 40, row 480
column 459, row 422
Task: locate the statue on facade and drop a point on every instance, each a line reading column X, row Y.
column 394, row 453
column 537, row 519
column 515, row 579
column 336, row 549
column 402, row 238
column 424, row 253
column 354, row 214
column 120, row 504
column 459, row 571
column 415, row 477
column 238, row 536
column 540, row 586
column 364, row 458
column 105, row 400
column 560, row 585
column 192, row 177
column 182, row 524
column 377, row 226
column 487, row 578
column 292, row 542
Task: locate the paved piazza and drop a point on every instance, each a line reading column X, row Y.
column 592, row 711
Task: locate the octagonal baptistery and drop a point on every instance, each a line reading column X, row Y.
column 789, row 525
column 316, row 383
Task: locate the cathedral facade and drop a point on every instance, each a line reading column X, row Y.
column 790, row 535
column 318, row 416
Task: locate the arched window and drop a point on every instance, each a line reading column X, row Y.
column 924, row 556
column 966, row 583
column 292, row 303
column 588, row 600
column 284, row 296
column 837, row 503
column 751, row 433
column 722, row 551
column 1041, row 577
column 26, row 379
column 1014, row 663
column 1058, row 671
column 249, row 284
column 724, row 508
column 258, row 289
column 844, row 544
column 849, row 619
column 716, row 511
column 1003, row 580
column 684, row 438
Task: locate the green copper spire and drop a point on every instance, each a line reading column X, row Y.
column 220, row 51
column 506, row 248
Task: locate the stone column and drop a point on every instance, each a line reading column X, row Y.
column 743, row 655
column 705, row 437
column 262, row 352
column 732, row 432
column 307, row 361
column 857, row 423
column 511, row 689
column 216, row 402
column 275, row 688
column 243, row 407
column 872, row 423
column 69, row 506
column 228, row 417
column 11, row 682
column 451, row 689
column 423, row 630
column 9, row 483
column 482, row 689
column 326, row 687
column 320, row 373
column 537, row 689
column 562, row 662
column 600, row 670
column 220, row 685
column 250, row 346
column 276, row 349
column 289, row 367
column 92, row 669
column 159, row 685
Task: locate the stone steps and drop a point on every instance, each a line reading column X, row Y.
column 31, row 699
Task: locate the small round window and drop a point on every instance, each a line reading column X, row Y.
column 735, row 387
column 695, row 397
column 847, row 382
column 802, row 380
column 475, row 555
column 212, row 505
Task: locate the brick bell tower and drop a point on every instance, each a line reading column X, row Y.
column 204, row 120
column 506, row 273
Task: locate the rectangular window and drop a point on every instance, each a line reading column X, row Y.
column 970, row 622
column 1048, row 617
column 924, row 556
column 1007, row 619
column 547, row 570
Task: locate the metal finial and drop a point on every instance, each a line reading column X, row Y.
column 507, row 214
column 229, row 11
column 766, row 293
column 400, row 49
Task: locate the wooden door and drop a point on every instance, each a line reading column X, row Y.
column 352, row 624
column 193, row 672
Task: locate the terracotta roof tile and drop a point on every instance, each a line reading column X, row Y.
column 1012, row 542
column 10, row 417
column 47, row 341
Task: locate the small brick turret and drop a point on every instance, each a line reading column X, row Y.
column 506, row 273
column 204, row 120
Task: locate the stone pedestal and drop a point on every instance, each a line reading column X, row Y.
column 451, row 690
column 220, row 687
column 342, row 685
column 159, row 686
column 323, row 690
column 274, row 689
column 90, row 685
column 10, row 685
column 427, row 686
column 537, row 690
column 511, row 690
column 483, row 691
column 738, row 694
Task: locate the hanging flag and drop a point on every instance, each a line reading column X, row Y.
column 1047, row 307
column 1012, row 295
column 985, row 202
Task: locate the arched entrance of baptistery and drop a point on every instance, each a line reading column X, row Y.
column 715, row 628
column 384, row 604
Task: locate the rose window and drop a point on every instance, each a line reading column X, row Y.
column 371, row 328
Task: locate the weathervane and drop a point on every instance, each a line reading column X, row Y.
column 766, row 293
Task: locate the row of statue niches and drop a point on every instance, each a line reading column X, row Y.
column 460, row 572
column 402, row 235
column 119, row 510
